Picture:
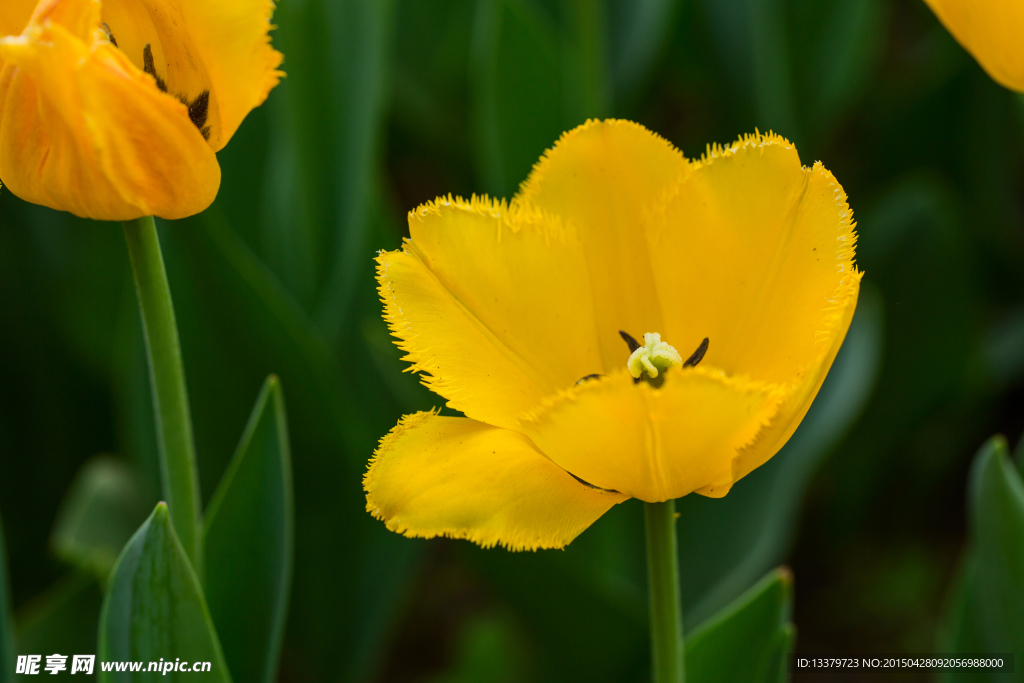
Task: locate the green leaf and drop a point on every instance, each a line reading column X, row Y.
column 326, row 125
column 749, row 639
column 639, row 32
column 62, row 618
column 350, row 572
column 848, row 50
column 488, row 651
column 1018, row 455
column 249, row 543
column 100, row 512
column 984, row 609
column 761, row 511
column 6, row 623
column 997, row 524
column 561, row 605
column 361, row 32
column 154, row 608
column 958, row 630
column 518, row 49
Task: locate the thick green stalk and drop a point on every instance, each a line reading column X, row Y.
column 663, row 582
column 179, row 479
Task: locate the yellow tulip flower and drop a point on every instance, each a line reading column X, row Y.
column 114, row 110
column 991, row 30
column 515, row 313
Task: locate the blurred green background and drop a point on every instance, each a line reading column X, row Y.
column 389, row 103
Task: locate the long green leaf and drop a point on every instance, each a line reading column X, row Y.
column 62, row 618
column 761, row 511
column 249, row 543
column 6, row 623
column 100, row 512
column 154, row 609
column 639, row 30
column 997, row 523
column 361, row 32
column 562, row 606
column 748, row 640
column 518, row 48
column 958, row 632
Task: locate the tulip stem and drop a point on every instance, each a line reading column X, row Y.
column 663, row 583
column 175, row 443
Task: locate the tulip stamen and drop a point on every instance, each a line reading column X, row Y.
column 149, row 67
column 198, row 109
column 632, row 343
column 654, row 357
column 587, row 483
column 697, row 355
column 110, row 34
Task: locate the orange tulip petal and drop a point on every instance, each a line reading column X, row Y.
column 233, row 39
column 83, row 130
column 14, row 16
column 991, row 31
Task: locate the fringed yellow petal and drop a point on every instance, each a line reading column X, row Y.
column 654, row 444
column 759, row 250
column 514, row 272
column 214, row 56
column 801, row 393
column 601, row 178
column 751, row 250
column 83, row 130
column 479, row 300
column 449, row 476
column 156, row 36
column 233, row 37
column 991, row 31
column 459, row 357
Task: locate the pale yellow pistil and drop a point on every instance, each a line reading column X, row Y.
column 654, row 357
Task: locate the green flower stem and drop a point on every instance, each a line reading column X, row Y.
column 663, row 582
column 179, row 479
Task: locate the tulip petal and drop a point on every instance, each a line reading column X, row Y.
column 800, row 394
column 82, row 130
column 14, row 16
column 759, row 251
column 991, row 31
column 755, row 252
column 450, row 476
column 601, row 178
column 654, row 444
column 479, row 299
column 233, row 38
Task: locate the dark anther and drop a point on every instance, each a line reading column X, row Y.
column 198, row 110
column 587, row 483
column 110, row 34
column 633, row 343
column 150, row 68
column 698, row 355
column 581, row 380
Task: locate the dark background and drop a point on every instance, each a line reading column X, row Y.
column 389, row 103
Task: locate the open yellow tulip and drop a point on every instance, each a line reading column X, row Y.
column 991, row 30
column 513, row 312
column 114, row 110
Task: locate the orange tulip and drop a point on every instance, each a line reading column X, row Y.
column 991, row 31
column 114, row 110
